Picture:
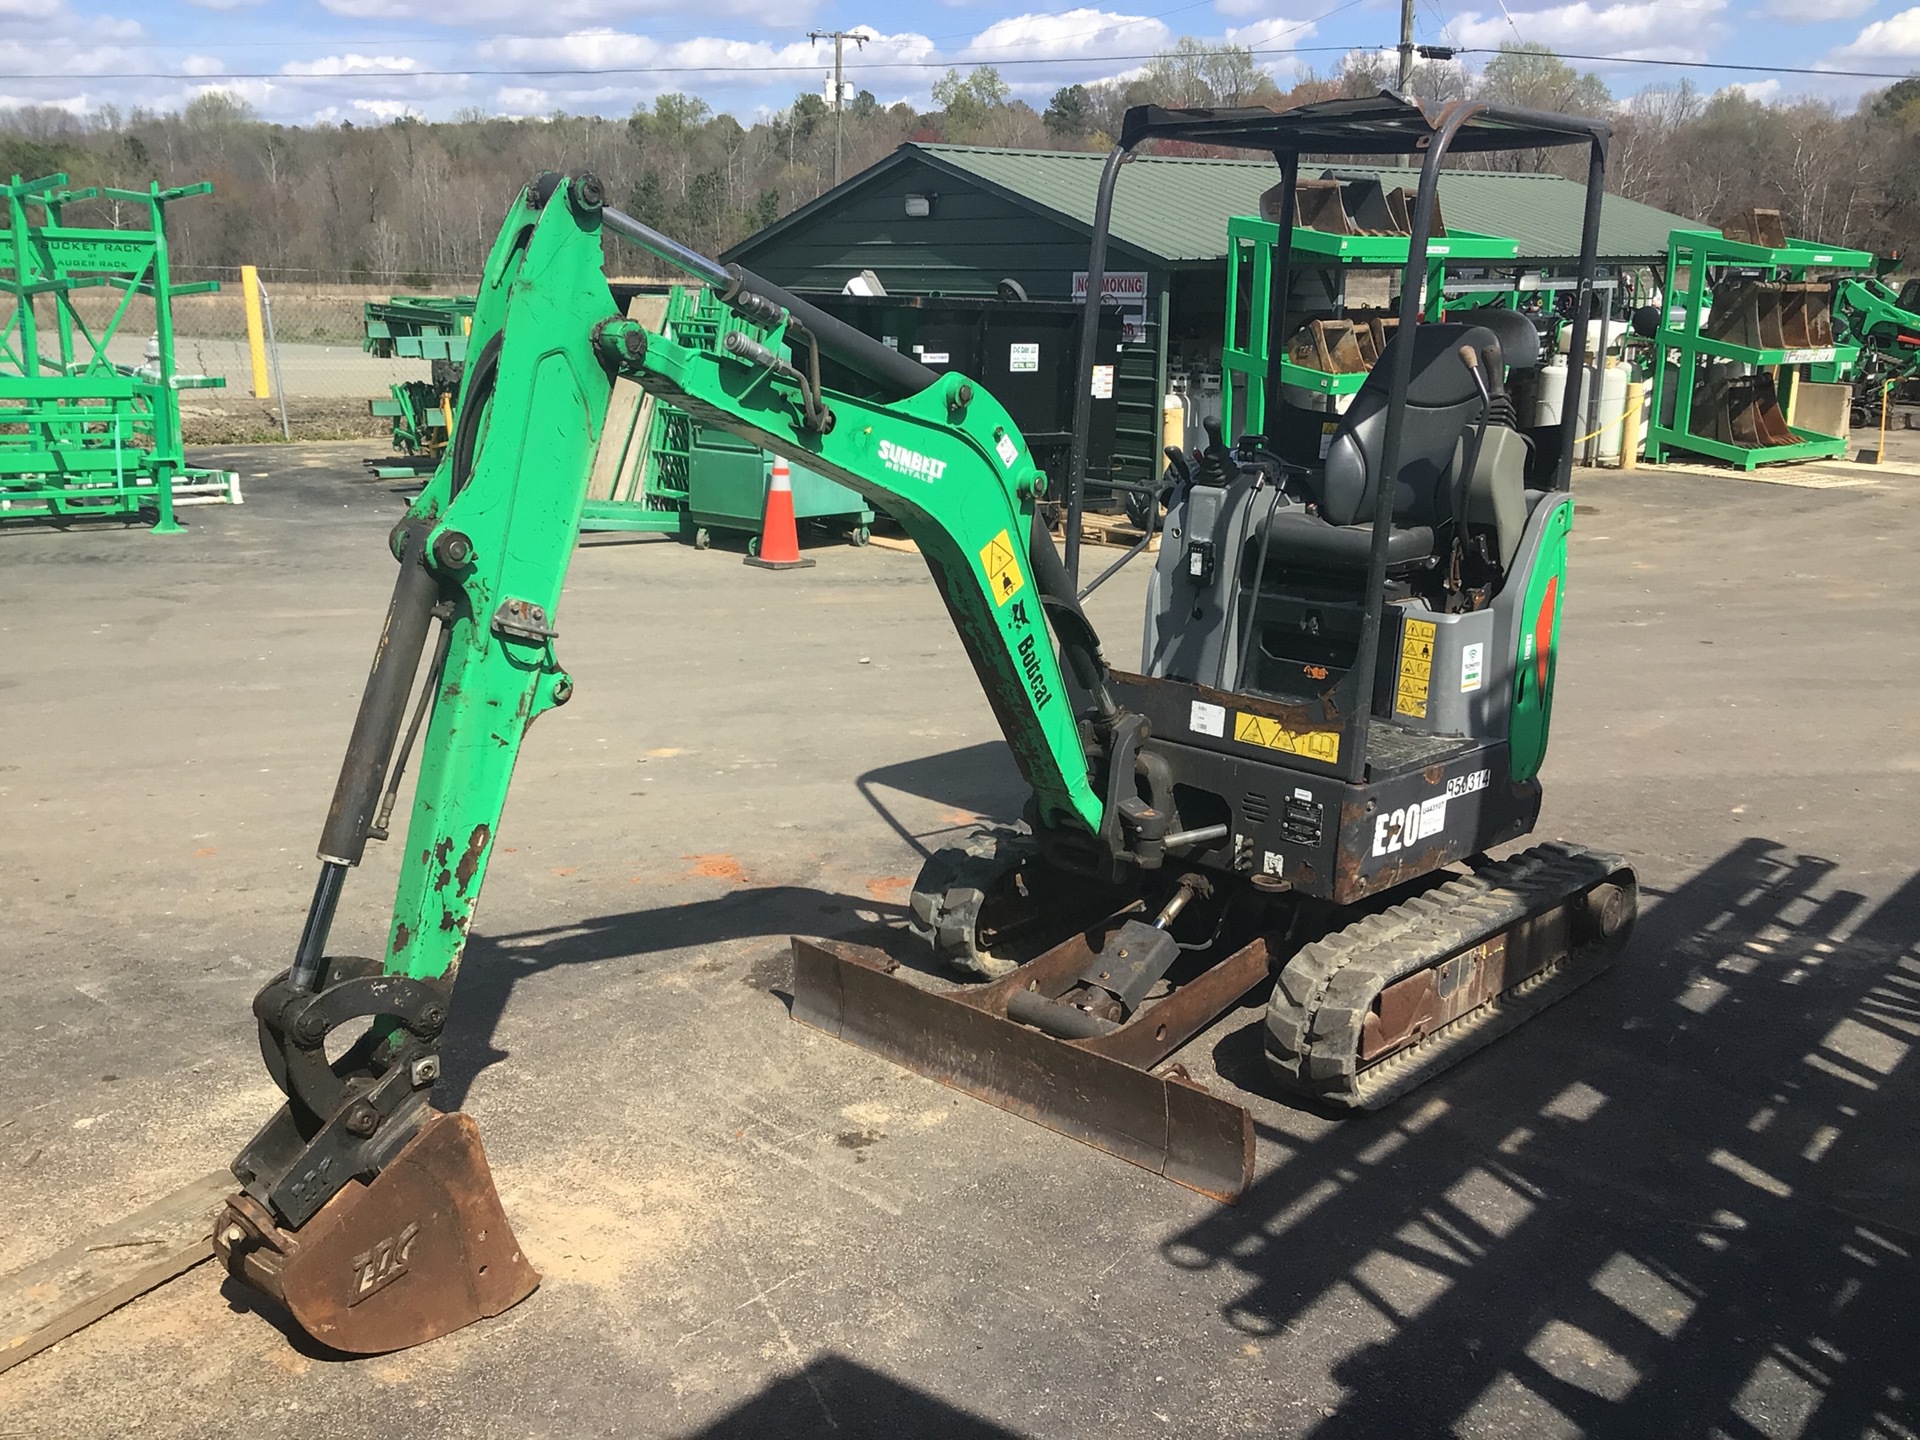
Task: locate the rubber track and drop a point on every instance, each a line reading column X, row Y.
column 1325, row 991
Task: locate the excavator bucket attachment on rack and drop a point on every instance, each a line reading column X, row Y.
column 1748, row 313
column 1329, row 346
column 1012, row 1044
column 1769, row 419
column 1819, row 314
column 420, row 1252
column 1322, row 205
column 1796, row 320
column 1366, row 201
column 1756, row 227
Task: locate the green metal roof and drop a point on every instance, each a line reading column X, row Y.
column 1177, row 209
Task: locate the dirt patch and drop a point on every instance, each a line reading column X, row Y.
column 241, row 420
column 585, row 1225
column 888, row 886
column 717, row 867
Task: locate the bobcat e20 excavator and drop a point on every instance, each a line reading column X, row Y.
column 1342, row 705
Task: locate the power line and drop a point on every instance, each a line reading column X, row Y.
column 1712, row 65
column 590, row 72
column 544, row 72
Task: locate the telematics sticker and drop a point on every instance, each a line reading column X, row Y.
column 1208, row 719
column 1472, row 664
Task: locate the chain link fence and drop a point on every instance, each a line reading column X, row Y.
column 325, row 377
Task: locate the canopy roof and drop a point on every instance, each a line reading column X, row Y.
column 1384, row 124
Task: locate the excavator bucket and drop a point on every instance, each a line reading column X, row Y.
column 1321, row 205
column 1796, row 321
column 1769, row 418
column 1110, row 1091
column 423, row 1250
column 1366, row 201
column 1756, row 227
column 1329, row 346
column 1819, row 314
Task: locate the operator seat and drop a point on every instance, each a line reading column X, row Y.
column 1443, row 402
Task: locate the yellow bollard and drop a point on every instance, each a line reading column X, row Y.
column 256, row 332
column 1886, row 393
column 1630, row 425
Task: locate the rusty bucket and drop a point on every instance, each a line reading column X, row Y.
column 420, row 1252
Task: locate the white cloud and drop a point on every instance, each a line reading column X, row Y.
column 202, row 65
column 73, row 104
column 31, row 10
column 224, row 4
column 1068, row 35
column 1631, row 29
column 352, row 65
column 1763, row 91
column 1274, row 33
column 519, row 102
column 1800, row 12
column 387, row 109
column 1898, row 35
column 548, row 16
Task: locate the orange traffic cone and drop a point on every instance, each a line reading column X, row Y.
column 779, row 537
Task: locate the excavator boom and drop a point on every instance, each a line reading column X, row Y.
column 346, row 1191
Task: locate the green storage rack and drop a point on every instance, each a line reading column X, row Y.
column 1682, row 349
column 81, row 435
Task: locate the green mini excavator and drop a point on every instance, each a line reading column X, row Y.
column 1341, row 706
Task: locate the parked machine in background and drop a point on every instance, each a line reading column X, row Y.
column 1342, row 705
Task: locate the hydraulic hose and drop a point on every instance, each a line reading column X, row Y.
column 897, row 375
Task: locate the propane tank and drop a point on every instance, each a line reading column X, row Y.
column 1613, row 408
column 1173, row 420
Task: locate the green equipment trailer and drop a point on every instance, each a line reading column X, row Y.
column 83, row 435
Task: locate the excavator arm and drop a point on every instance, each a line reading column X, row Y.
column 367, row 1211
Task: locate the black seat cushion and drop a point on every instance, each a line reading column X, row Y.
column 1442, row 401
column 1297, row 538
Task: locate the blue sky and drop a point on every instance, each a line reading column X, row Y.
column 372, row 59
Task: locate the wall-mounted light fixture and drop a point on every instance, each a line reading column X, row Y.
column 919, row 207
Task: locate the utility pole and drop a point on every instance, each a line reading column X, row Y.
column 1406, row 45
column 839, row 39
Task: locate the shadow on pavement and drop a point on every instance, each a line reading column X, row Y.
column 495, row 964
column 838, row 1396
column 1681, row 1203
column 980, row 780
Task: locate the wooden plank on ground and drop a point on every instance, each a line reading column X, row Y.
column 51, row 1299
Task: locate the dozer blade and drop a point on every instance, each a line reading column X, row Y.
column 1162, row 1122
column 423, row 1250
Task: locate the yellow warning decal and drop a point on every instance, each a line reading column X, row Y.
column 1416, row 669
column 1002, row 569
column 1322, row 745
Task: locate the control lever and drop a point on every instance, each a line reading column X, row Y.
column 1471, row 359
